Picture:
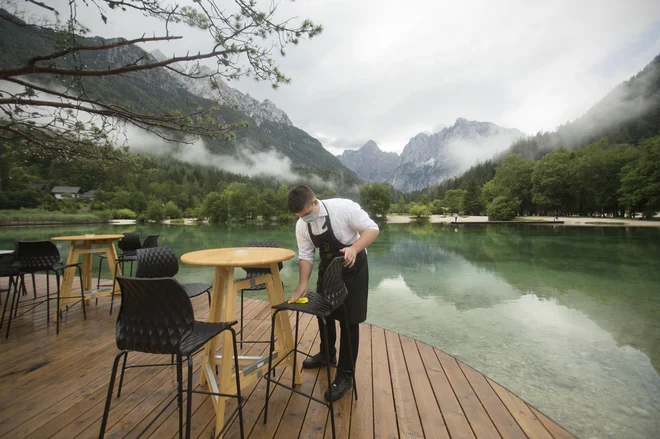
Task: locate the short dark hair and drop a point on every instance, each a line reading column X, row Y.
column 299, row 198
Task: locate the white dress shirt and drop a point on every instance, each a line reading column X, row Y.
column 348, row 221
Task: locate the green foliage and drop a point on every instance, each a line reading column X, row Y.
column 193, row 212
column 124, row 214
column 375, row 199
column 155, row 211
column 213, row 208
column 172, row 210
column 420, row 211
column 453, row 200
column 503, row 208
column 26, row 215
column 549, row 179
column 640, row 180
column 471, row 202
column 436, row 207
column 327, row 194
column 513, row 178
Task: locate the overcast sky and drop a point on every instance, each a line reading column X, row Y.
column 387, row 70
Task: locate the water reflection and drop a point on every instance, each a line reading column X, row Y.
column 567, row 318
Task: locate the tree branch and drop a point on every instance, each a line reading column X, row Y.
column 32, row 69
column 61, row 53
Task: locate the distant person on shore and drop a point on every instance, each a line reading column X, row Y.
column 339, row 227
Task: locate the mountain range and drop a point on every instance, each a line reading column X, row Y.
column 428, row 159
column 159, row 90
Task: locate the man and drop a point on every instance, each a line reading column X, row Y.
column 338, row 227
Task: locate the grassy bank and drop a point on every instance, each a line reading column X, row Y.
column 27, row 216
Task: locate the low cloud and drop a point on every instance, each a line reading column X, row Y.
column 466, row 153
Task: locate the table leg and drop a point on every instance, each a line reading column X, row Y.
column 282, row 324
column 111, row 253
column 67, row 279
column 87, row 268
column 227, row 381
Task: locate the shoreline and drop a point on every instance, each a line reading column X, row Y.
column 561, row 221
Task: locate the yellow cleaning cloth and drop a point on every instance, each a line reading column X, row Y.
column 301, row 300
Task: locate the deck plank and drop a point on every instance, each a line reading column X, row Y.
column 505, row 423
column 362, row 419
column 476, row 414
column 555, row 430
column 457, row 424
column 407, row 412
column 406, row 388
column 429, row 412
column 385, row 420
column 530, row 424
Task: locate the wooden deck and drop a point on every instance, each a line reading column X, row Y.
column 55, row 387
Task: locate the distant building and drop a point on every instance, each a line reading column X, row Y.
column 88, row 194
column 65, row 191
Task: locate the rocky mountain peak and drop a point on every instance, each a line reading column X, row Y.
column 258, row 111
column 370, row 163
column 370, row 147
column 427, row 159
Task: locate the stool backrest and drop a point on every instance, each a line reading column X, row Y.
column 334, row 290
column 130, row 242
column 156, row 262
column 34, row 256
column 150, row 241
column 155, row 315
column 254, row 272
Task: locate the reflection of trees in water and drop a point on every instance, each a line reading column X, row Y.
column 430, row 271
column 607, row 273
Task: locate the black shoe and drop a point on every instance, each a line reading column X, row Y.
column 318, row 360
column 343, row 383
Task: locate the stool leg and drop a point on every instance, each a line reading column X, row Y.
column 114, row 285
column 108, row 398
column 295, row 352
column 98, row 279
column 47, row 297
column 179, row 397
column 270, row 364
column 34, row 286
column 189, row 396
column 121, row 377
column 59, row 313
column 11, row 308
column 238, row 383
column 241, row 319
column 327, row 368
column 4, row 309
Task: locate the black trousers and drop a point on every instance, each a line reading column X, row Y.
column 351, row 333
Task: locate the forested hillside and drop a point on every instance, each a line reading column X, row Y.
column 607, row 162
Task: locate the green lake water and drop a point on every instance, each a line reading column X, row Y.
column 568, row 318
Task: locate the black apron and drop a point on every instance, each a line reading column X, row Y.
column 356, row 277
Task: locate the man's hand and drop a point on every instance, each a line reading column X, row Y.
column 300, row 291
column 349, row 256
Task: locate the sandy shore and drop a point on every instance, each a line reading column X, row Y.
column 571, row 221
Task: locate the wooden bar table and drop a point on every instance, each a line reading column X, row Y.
column 225, row 260
column 86, row 245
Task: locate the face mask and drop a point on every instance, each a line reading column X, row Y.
column 309, row 218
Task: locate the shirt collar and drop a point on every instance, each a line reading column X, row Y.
column 322, row 210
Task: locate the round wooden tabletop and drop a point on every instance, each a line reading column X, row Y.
column 90, row 237
column 238, row 257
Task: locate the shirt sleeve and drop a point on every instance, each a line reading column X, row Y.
column 358, row 219
column 306, row 249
